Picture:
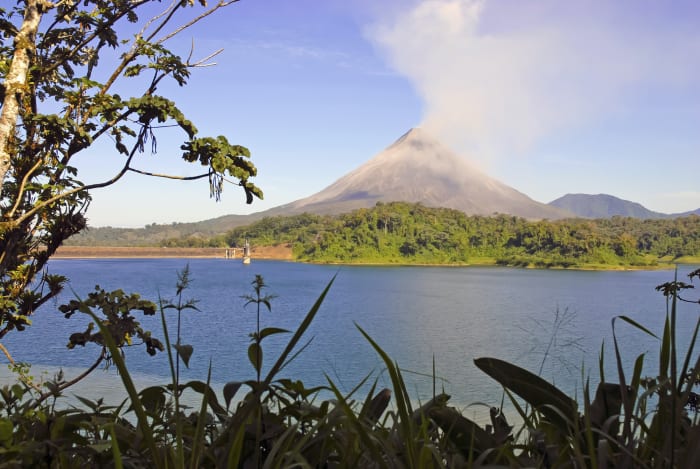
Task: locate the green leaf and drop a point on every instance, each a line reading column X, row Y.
column 153, row 399
column 374, row 409
column 634, row 323
column 5, row 430
column 271, row 331
column 665, row 352
column 607, row 403
column 185, row 352
column 136, row 404
column 116, row 453
column 466, row 435
column 230, row 390
column 206, row 390
column 100, row 447
column 553, row 403
column 255, row 355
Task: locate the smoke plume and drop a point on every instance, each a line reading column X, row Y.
column 498, row 77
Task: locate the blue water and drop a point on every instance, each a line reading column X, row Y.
column 416, row 314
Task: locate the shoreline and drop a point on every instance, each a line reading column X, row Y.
column 281, row 252
column 284, row 253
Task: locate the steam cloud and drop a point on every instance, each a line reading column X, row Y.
column 496, row 77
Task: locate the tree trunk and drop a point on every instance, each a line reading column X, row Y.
column 16, row 82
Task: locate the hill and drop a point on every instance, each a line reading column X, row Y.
column 604, row 206
column 405, row 233
column 607, row 206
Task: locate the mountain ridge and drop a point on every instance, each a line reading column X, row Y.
column 606, row 206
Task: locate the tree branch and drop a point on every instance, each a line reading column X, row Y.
column 134, row 5
column 23, row 379
column 220, row 4
column 169, row 176
column 23, row 184
column 67, row 384
column 40, row 205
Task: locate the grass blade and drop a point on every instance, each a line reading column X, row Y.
column 403, row 403
column 142, row 419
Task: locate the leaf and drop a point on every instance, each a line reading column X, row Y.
column 116, row 453
column 153, row 399
column 271, row 331
column 464, row 433
column 90, row 404
column 607, row 403
column 553, row 403
column 232, row 435
column 230, row 390
column 665, row 352
column 136, row 404
column 634, row 323
column 185, row 352
column 5, row 430
column 100, row 447
column 376, row 407
column 205, row 389
column 255, row 356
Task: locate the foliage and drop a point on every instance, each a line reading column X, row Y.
column 405, row 233
column 60, row 87
column 119, row 322
column 183, row 351
column 637, row 422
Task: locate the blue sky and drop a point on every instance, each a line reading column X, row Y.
column 549, row 97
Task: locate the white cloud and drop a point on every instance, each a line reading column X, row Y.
column 497, row 77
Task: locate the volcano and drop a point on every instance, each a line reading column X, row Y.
column 418, row 168
column 415, row 168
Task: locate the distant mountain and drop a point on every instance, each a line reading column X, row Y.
column 687, row 214
column 418, row 168
column 604, row 206
column 153, row 234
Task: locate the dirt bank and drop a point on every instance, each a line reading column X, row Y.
column 281, row 252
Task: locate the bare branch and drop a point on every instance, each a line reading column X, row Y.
column 78, row 378
column 40, row 205
column 169, row 176
column 220, row 4
column 200, row 63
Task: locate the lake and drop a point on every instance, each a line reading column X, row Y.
column 416, row 314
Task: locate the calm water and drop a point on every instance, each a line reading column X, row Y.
column 414, row 313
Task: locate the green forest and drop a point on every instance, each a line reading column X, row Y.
column 404, row 233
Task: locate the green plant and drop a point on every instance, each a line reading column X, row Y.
column 255, row 352
column 280, row 422
column 54, row 108
column 183, row 351
column 637, row 422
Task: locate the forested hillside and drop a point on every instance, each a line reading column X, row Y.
column 411, row 233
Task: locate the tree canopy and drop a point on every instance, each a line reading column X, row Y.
column 404, row 233
column 58, row 97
